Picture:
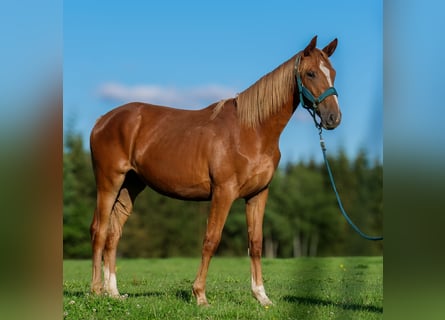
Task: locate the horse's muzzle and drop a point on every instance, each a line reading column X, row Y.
column 331, row 120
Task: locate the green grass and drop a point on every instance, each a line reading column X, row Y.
column 303, row 288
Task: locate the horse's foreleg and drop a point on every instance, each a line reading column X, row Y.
column 254, row 214
column 220, row 206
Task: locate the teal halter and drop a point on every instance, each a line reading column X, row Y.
column 305, row 93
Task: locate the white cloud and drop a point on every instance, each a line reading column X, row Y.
column 199, row 96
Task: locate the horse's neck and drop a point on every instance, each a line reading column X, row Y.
column 272, row 128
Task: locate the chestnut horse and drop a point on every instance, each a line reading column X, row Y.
column 226, row 151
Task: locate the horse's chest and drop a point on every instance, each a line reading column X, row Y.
column 257, row 176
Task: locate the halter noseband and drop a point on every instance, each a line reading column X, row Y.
column 305, row 93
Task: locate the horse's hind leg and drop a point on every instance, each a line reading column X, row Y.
column 122, row 209
column 107, row 192
column 119, row 215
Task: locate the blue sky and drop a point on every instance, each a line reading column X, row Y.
column 188, row 54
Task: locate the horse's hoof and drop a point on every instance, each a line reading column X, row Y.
column 96, row 291
column 203, row 304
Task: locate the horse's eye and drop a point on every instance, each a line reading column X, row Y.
column 310, row 74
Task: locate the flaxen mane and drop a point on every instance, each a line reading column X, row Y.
column 266, row 96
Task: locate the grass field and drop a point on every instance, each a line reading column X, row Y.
column 303, row 288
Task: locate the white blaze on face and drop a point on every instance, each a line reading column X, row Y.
column 327, row 73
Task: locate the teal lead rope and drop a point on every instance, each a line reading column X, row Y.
column 340, row 205
column 305, row 93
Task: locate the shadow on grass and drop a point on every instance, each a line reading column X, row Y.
column 74, row 293
column 320, row 302
column 146, row 294
column 184, row 295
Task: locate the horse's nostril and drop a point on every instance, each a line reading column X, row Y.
column 332, row 120
column 338, row 118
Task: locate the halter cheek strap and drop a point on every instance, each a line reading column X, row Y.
column 305, row 93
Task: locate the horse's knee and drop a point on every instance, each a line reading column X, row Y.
column 256, row 248
column 210, row 245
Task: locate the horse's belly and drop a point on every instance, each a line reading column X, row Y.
column 174, row 167
column 177, row 184
column 185, row 192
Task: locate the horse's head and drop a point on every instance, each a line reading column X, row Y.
column 315, row 79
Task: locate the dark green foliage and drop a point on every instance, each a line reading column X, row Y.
column 302, row 217
column 79, row 195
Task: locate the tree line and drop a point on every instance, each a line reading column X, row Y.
column 302, row 216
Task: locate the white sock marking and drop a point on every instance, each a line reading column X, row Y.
column 113, row 285
column 260, row 293
column 106, row 278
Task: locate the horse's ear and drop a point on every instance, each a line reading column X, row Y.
column 311, row 46
column 330, row 48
